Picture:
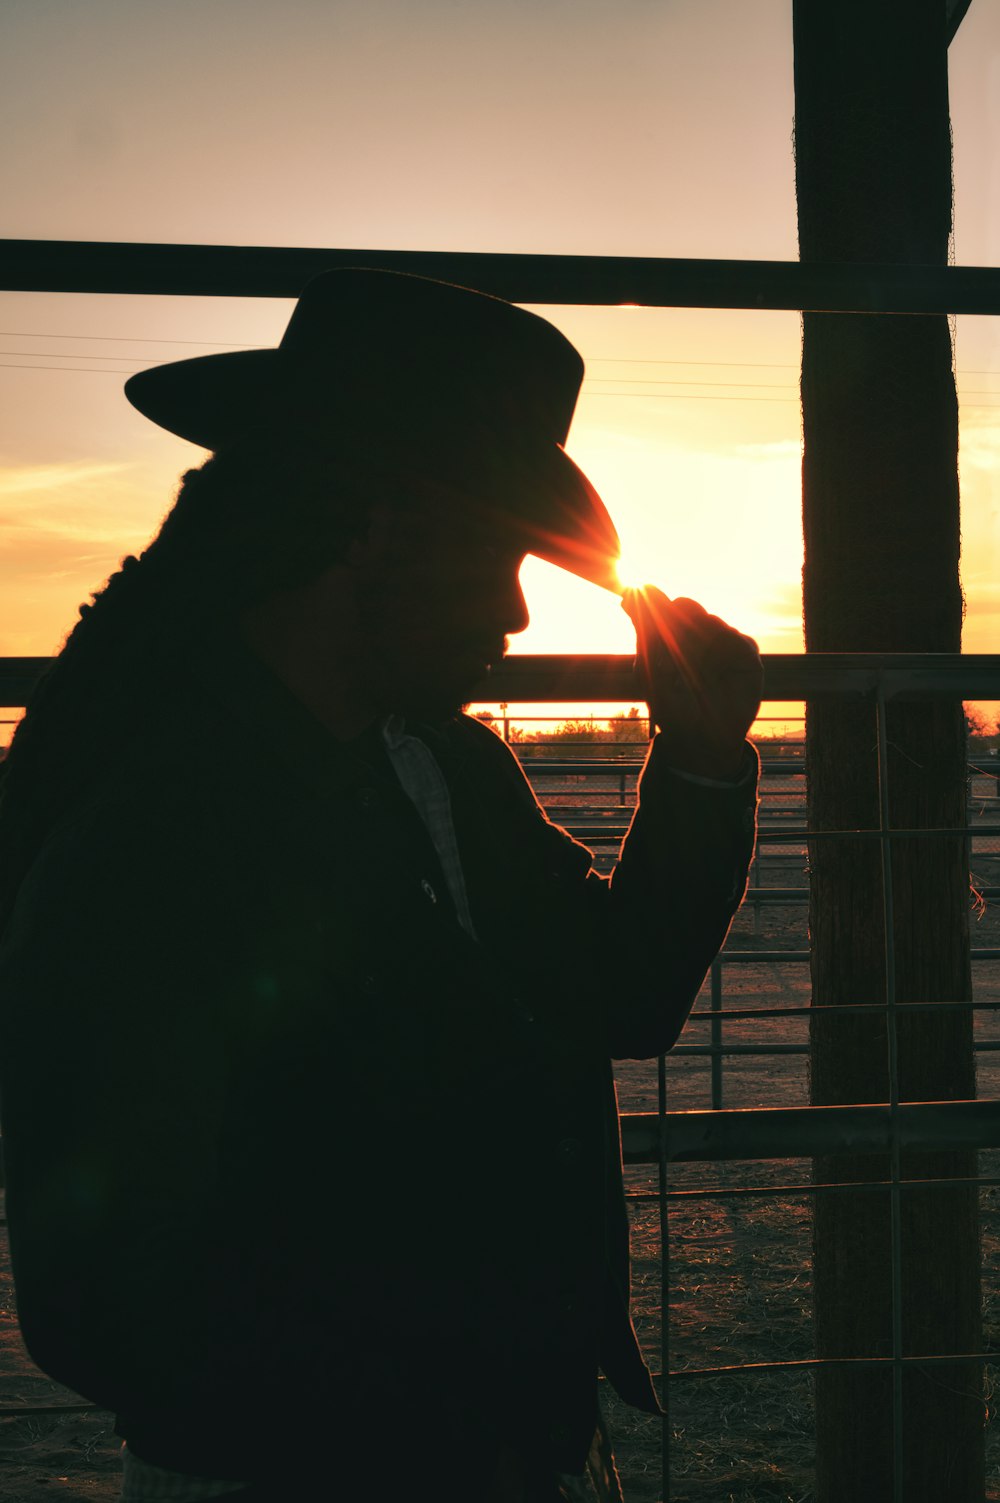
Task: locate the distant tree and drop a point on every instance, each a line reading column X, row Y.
column 629, row 727
column 587, row 739
column 978, row 723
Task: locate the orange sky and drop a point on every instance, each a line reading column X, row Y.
column 575, row 127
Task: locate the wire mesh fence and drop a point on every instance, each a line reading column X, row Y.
column 722, row 1230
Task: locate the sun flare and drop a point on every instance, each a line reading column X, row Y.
column 632, row 572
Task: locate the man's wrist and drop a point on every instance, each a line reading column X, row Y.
column 711, row 772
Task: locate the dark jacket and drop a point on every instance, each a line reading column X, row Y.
column 281, row 1139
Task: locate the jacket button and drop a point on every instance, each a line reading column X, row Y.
column 368, row 798
column 428, row 890
column 568, row 1149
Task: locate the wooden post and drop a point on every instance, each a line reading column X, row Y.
column 881, row 526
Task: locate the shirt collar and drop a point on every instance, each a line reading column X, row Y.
column 243, row 689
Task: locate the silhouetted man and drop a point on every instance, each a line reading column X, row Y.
column 308, row 1011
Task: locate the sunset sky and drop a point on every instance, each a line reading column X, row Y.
column 620, row 127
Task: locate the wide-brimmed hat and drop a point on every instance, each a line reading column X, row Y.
column 453, row 389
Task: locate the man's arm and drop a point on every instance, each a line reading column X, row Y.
column 680, row 878
column 683, row 867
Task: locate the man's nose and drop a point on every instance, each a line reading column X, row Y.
column 517, row 609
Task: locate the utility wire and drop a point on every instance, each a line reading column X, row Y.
column 649, row 396
column 591, row 360
column 123, row 339
column 86, row 370
column 55, row 355
column 607, row 380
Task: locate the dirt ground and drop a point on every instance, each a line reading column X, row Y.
column 739, row 1282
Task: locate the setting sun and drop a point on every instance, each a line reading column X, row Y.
column 631, row 572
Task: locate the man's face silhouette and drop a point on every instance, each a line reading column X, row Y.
column 436, row 600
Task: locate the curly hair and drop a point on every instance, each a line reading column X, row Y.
column 250, row 522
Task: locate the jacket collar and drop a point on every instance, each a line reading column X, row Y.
column 246, row 691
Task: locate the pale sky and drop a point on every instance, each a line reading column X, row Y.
column 648, row 127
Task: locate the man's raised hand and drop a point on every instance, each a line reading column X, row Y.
column 702, row 680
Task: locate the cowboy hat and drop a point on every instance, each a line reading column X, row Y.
column 433, row 382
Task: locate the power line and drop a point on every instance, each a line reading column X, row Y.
column 86, row 370
column 680, row 396
column 746, row 364
column 664, row 381
column 56, row 355
column 591, row 360
column 587, row 390
column 124, row 339
column 610, row 380
column 97, row 371
column 743, row 364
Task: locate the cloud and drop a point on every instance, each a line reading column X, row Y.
column 32, row 552
column 979, row 441
column 64, row 527
column 51, row 479
column 87, row 506
column 982, row 597
column 773, row 449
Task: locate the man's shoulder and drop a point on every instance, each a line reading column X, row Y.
column 481, row 734
column 476, row 741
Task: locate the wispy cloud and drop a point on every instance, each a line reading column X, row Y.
column 97, row 504
column 63, row 529
column 774, row 449
column 28, row 552
column 56, row 479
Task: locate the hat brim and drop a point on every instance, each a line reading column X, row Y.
column 530, row 490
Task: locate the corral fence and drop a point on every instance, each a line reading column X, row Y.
column 665, row 1138
column 589, row 787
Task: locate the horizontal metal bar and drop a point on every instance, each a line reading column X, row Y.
column 751, row 1014
column 527, row 677
column 725, row 1051
column 964, row 832
column 777, row 894
column 811, row 1363
column 751, row 1368
column 589, row 829
column 747, row 957
column 280, row 271
column 798, row 834
column 770, row 1192
column 18, row 1411
column 805, row 1131
column 533, row 678
column 605, row 767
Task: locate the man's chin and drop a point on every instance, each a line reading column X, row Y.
column 442, row 701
